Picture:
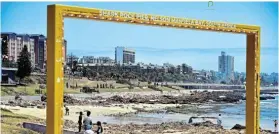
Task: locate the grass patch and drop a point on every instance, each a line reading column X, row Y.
column 27, row 90
column 12, row 123
column 71, row 91
column 166, row 89
column 30, row 90
column 10, row 129
column 123, row 90
column 85, row 82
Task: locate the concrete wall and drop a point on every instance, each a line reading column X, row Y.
column 42, row 128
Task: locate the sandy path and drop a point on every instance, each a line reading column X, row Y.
column 96, row 111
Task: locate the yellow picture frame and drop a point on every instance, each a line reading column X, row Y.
column 55, row 58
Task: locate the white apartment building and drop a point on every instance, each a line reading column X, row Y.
column 16, row 42
column 124, row 55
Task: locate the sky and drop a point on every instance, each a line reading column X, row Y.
column 158, row 45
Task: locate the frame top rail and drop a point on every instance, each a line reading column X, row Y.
column 155, row 20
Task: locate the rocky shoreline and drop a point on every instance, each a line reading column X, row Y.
column 183, row 101
column 166, row 128
column 162, row 128
column 195, row 97
column 215, row 97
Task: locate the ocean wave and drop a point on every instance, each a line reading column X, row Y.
column 274, row 95
column 266, row 102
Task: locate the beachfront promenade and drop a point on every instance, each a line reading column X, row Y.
column 214, row 86
column 206, row 86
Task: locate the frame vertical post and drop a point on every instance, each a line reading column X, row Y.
column 253, row 83
column 55, row 76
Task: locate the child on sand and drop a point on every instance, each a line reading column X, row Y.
column 99, row 128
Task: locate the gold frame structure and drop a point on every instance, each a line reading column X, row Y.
column 55, row 59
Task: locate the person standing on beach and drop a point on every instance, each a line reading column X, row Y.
column 219, row 120
column 276, row 125
column 80, row 121
column 87, row 122
column 67, row 110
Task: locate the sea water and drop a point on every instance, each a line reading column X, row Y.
column 236, row 114
column 231, row 114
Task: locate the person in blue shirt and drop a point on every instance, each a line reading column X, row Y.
column 87, row 121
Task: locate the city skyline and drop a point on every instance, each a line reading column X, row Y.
column 159, row 45
column 213, row 53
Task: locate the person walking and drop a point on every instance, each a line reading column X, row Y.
column 80, row 121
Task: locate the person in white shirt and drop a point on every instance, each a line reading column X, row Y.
column 87, row 122
column 219, row 120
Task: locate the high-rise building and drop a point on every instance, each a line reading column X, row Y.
column 226, row 65
column 124, row 55
column 40, row 49
column 16, row 42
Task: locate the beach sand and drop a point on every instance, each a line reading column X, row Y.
column 96, row 111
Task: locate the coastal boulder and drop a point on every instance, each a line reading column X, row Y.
column 41, row 107
column 238, row 127
column 266, row 97
column 207, row 124
column 18, row 97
